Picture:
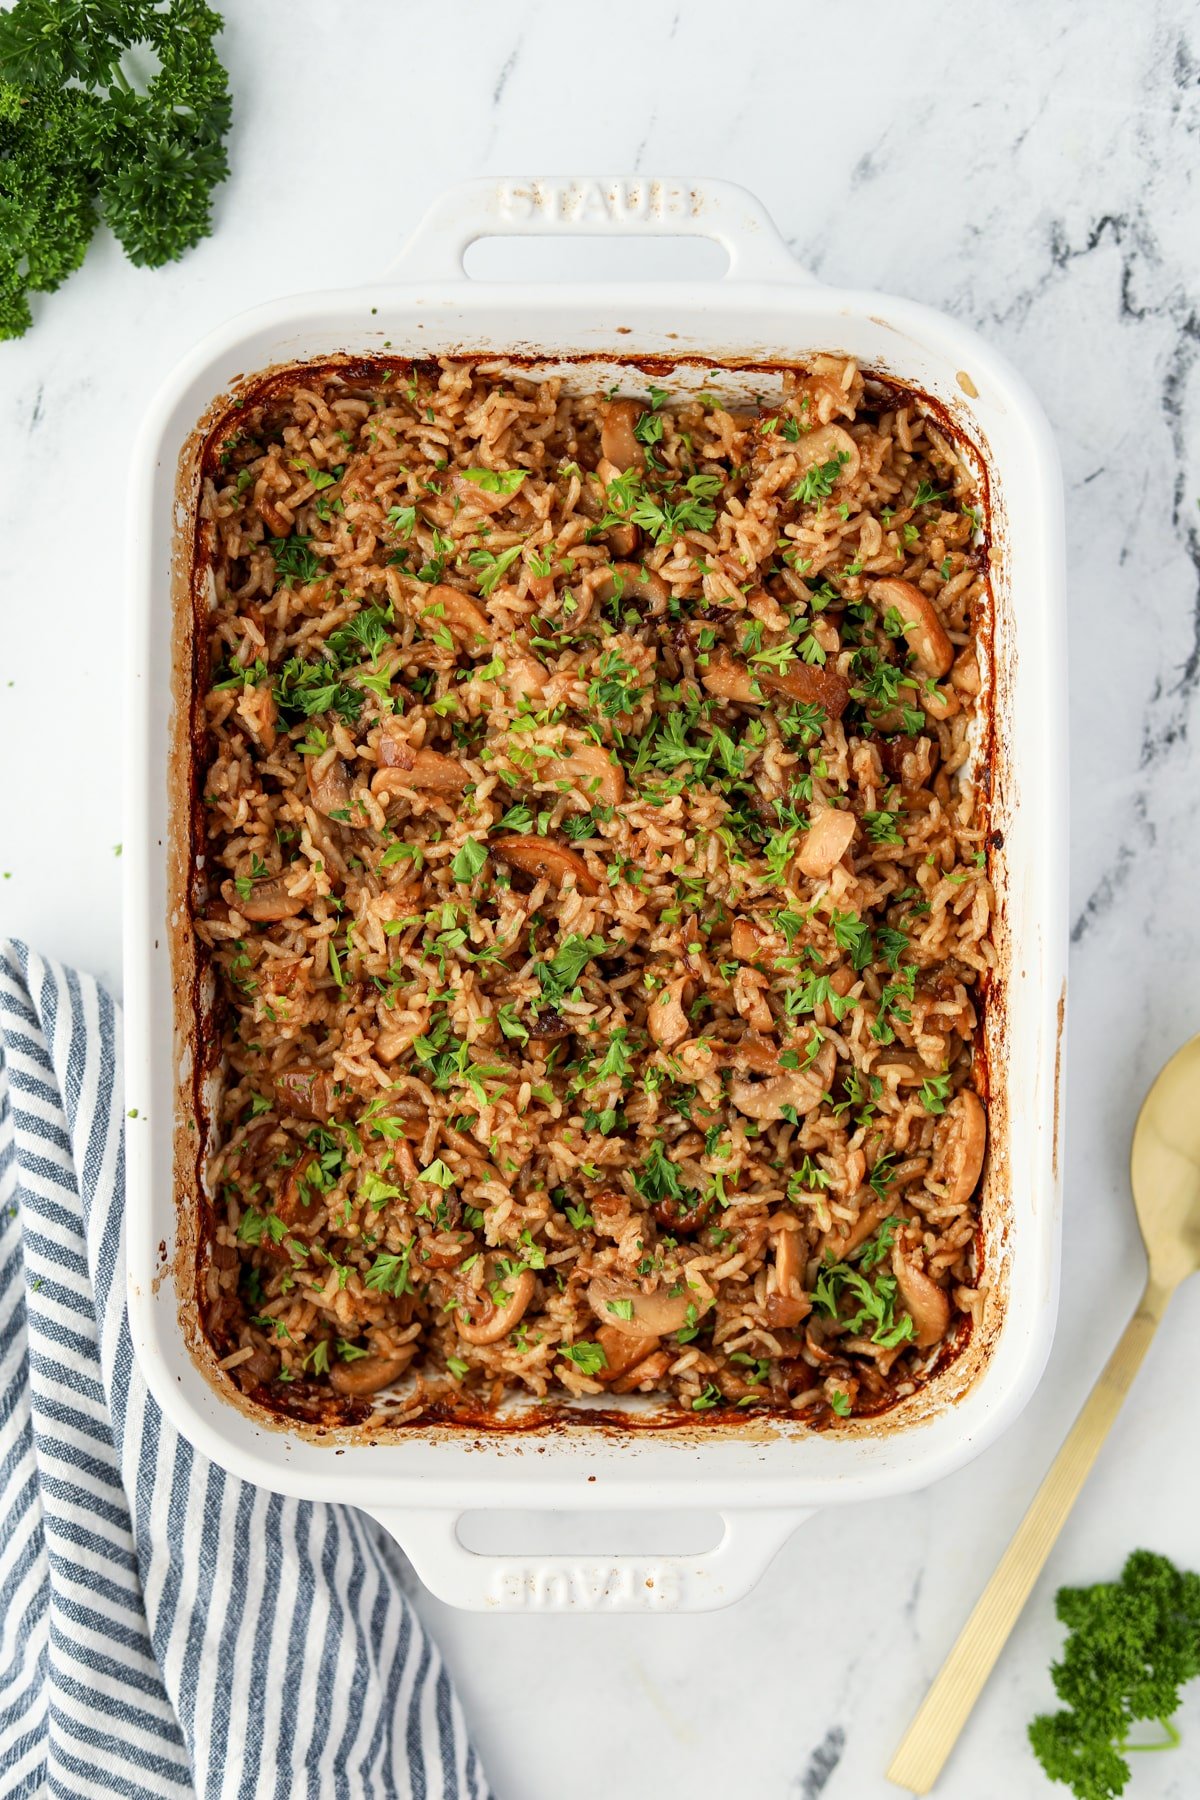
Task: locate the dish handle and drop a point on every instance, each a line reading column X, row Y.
column 569, row 1583
column 597, row 206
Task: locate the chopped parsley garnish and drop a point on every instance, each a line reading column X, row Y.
column 293, row 559
column 492, row 566
column 495, row 481
column 559, row 977
column 817, row 482
column 469, row 860
column 389, row 1274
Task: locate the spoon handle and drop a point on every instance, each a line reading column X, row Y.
column 944, row 1711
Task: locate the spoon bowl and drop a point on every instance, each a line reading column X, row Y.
column 1165, row 1169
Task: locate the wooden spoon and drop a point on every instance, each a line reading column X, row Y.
column 1165, row 1173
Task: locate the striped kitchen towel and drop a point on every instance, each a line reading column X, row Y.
column 165, row 1630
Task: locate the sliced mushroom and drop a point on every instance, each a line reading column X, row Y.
column 546, row 862
column 481, row 499
column 524, row 676
column 651, row 1369
column 590, row 769
column 826, row 841
column 729, row 679
column 788, row 1262
column 754, row 1054
column 267, row 902
column 959, row 1144
column 926, row 1303
column 939, row 702
column 666, row 1020
column 442, row 774
column 305, row 1093
column 654, row 1314
column 828, row 443
column 800, row 1090
column 329, row 785
column 622, row 540
column 630, row 581
column 787, row 1304
column 367, row 1374
column 840, row 1240
column 923, row 629
column 497, row 1322
column 428, row 770
column 394, row 750
column 622, row 1350
column 617, row 440
column 749, row 997
column 463, row 618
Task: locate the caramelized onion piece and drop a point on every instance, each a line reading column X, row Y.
column 822, row 687
column 546, row 862
column 305, row 1093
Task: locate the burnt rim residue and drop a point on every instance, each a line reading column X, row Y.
column 308, row 1405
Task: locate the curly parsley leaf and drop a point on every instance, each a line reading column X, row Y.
column 1133, row 1644
column 80, row 143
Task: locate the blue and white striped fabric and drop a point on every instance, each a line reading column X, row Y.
column 165, row 1630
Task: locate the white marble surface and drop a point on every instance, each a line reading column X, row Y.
column 1032, row 170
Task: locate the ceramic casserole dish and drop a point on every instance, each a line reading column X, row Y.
column 762, row 1474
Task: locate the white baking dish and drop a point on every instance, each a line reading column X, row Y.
column 764, row 1477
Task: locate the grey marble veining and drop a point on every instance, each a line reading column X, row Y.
column 1032, row 170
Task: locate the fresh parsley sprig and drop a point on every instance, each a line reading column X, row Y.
column 80, row 142
column 1133, row 1644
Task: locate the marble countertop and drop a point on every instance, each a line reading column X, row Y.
column 1030, row 169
